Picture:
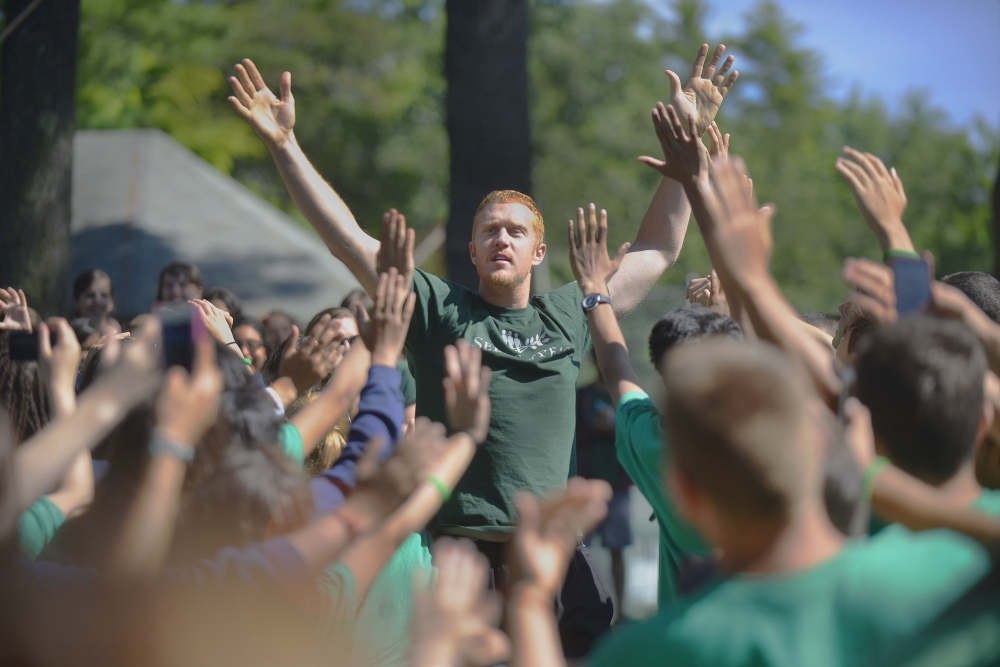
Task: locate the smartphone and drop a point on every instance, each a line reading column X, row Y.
column 23, row 346
column 178, row 339
column 913, row 284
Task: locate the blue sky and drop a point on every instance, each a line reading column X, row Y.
column 949, row 48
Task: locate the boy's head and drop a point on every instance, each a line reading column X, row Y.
column 508, row 238
column 981, row 288
column 922, row 378
column 742, row 432
column 687, row 323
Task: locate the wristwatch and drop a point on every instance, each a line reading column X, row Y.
column 592, row 301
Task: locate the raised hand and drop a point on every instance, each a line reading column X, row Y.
column 58, row 362
column 706, row 88
column 547, row 531
column 382, row 489
column 454, row 620
column 271, row 117
column 740, row 233
column 876, row 289
column 396, row 249
column 14, row 307
column 134, row 370
column 708, row 291
column 880, row 197
column 718, row 143
column 314, row 360
column 588, row 252
column 188, row 405
column 685, row 158
column 467, row 390
column 217, row 322
column 385, row 333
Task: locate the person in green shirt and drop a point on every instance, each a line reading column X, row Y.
column 534, row 345
column 746, row 467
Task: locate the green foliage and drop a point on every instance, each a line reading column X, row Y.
column 369, row 87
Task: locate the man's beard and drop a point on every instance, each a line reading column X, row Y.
column 504, row 279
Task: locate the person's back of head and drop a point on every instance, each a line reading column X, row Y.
column 981, row 288
column 22, row 394
column 687, row 323
column 825, row 322
column 922, row 378
column 741, row 434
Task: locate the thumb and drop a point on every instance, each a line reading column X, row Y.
column 658, row 165
column 675, row 83
column 620, row 255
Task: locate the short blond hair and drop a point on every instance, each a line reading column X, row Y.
column 512, row 197
column 737, row 418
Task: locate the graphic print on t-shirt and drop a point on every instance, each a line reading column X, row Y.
column 513, row 341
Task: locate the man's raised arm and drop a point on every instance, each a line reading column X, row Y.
column 273, row 119
column 661, row 234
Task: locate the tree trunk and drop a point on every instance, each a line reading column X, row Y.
column 37, row 121
column 486, row 65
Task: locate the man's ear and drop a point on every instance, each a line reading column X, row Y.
column 472, row 251
column 539, row 254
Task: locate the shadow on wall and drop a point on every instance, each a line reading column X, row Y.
column 133, row 257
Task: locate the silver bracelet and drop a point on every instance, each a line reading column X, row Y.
column 160, row 446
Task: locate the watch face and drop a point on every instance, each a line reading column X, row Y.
column 590, row 301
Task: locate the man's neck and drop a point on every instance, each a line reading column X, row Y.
column 806, row 540
column 506, row 296
column 963, row 488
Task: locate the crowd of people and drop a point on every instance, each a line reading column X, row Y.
column 394, row 483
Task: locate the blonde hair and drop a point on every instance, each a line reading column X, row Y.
column 330, row 448
column 513, row 197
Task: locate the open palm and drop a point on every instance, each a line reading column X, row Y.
column 705, row 90
column 271, row 117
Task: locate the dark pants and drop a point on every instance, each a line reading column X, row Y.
column 584, row 606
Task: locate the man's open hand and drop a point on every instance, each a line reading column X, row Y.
column 876, row 289
column 708, row 292
column 272, row 118
column 880, row 197
column 685, row 158
column 706, row 88
column 588, row 252
column 396, row 250
column 467, row 390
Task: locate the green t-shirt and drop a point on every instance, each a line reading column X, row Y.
column 37, row 526
column 383, row 624
column 535, row 354
column 407, row 385
column 869, row 597
column 291, row 444
column 641, row 445
column 988, row 502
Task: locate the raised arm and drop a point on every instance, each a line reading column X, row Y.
column 44, row 459
column 880, row 197
column 661, row 234
column 187, row 406
column 588, row 256
column 738, row 237
column 273, row 119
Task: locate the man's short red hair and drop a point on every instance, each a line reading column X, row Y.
column 513, row 197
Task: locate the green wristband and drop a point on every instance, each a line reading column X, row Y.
column 249, row 362
column 871, row 472
column 440, row 486
column 894, row 253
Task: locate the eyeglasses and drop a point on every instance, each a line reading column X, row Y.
column 252, row 345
